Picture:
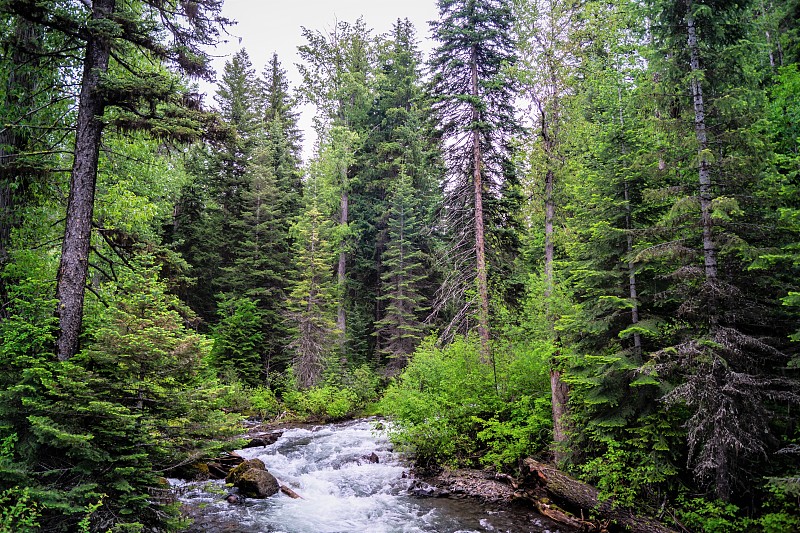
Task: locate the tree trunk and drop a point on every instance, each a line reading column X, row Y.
column 480, row 242
column 341, row 317
column 583, row 500
column 74, row 267
column 637, row 338
column 704, row 170
column 559, row 393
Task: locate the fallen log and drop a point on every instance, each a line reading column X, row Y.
column 290, row 493
column 583, row 500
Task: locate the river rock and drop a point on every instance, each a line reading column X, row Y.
column 258, row 484
column 253, row 480
column 264, row 440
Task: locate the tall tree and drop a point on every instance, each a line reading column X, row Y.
column 727, row 357
column 549, row 55
column 106, row 29
column 473, row 100
column 336, row 71
column 312, row 296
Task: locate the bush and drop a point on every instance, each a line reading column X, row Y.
column 450, row 407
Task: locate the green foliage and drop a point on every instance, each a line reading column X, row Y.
column 699, row 514
column 325, row 401
column 238, row 341
column 343, row 394
column 449, row 407
column 522, row 429
column 264, row 403
column 18, row 511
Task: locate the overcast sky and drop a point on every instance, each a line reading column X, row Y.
column 265, row 27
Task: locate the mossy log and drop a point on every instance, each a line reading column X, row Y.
column 583, row 500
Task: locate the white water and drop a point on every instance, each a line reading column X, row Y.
column 344, row 492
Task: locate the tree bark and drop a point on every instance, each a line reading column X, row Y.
column 637, row 338
column 480, row 242
column 559, row 394
column 341, row 316
column 74, row 267
column 583, row 500
column 704, row 170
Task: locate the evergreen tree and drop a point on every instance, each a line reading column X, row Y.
column 400, row 146
column 401, row 328
column 336, row 74
column 310, row 305
column 724, row 366
column 473, row 100
column 138, row 93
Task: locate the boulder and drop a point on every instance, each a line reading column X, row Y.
column 258, row 484
column 251, row 464
column 253, row 480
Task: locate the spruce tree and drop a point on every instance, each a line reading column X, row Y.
column 725, row 357
column 473, row 101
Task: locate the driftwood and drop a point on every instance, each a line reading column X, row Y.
column 290, row 493
column 582, row 500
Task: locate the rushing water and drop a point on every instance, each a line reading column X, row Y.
column 344, row 492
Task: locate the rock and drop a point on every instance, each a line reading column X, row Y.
column 253, row 480
column 234, row 498
column 264, row 440
column 258, row 484
column 251, row 464
column 420, row 489
column 373, row 458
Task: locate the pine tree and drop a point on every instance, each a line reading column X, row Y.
column 473, row 100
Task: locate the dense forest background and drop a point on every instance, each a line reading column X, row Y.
column 573, row 232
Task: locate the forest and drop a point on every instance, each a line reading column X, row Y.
column 572, row 233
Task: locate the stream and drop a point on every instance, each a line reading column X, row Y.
column 344, row 492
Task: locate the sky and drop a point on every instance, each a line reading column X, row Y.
column 265, row 27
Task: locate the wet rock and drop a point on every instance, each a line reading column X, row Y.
column 258, row 484
column 373, row 458
column 234, row 499
column 253, row 480
column 264, row 440
column 420, row 489
column 251, row 464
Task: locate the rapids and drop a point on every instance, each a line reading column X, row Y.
column 344, row 492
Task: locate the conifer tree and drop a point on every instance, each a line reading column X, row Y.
column 401, row 328
column 335, row 74
column 311, row 301
column 473, row 100
column 726, row 358
column 399, row 147
column 141, row 92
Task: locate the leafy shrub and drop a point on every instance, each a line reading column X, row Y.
column 699, row 514
column 326, row 402
column 451, row 407
column 264, row 403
